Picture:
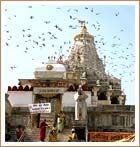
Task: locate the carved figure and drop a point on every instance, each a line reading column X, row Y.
column 80, row 104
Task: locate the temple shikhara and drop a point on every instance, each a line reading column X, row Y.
column 92, row 101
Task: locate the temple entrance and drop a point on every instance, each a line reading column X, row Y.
column 80, row 133
column 54, row 99
column 56, row 102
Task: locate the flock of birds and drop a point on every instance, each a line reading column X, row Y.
column 116, row 51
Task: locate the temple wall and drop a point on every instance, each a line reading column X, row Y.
column 20, row 116
column 68, row 99
column 106, row 118
column 8, row 109
column 20, row 98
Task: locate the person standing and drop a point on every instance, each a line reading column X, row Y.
column 73, row 135
column 59, row 123
column 42, row 127
column 62, row 115
column 19, row 134
column 53, row 134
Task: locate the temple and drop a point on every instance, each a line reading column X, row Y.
column 57, row 83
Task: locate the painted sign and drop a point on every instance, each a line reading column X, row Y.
column 43, row 90
column 107, row 136
column 40, row 108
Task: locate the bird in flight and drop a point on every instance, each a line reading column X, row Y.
column 31, row 17
column 29, row 6
column 46, row 22
column 12, row 67
column 117, row 13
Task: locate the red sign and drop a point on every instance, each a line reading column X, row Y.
column 107, row 136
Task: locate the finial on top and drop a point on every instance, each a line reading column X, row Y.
column 83, row 27
column 60, row 60
column 82, row 22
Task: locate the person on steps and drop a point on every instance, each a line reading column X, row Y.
column 42, row 127
column 19, row 134
column 73, row 135
column 53, row 134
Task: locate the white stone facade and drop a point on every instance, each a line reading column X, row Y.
column 20, row 98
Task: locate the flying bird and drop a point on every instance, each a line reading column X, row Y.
column 58, row 8
column 68, row 10
column 29, row 6
column 46, row 22
column 7, row 44
column 97, row 13
column 91, row 10
column 117, row 13
column 76, row 10
column 12, row 67
column 31, row 17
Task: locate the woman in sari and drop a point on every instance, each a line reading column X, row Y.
column 59, row 123
column 53, row 134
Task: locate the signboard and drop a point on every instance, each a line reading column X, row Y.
column 43, row 90
column 40, row 108
column 107, row 136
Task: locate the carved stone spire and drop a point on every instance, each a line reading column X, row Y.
column 84, row 56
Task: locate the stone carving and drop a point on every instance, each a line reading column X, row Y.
column 98, row 82
column 110, row 87
column 80, row 104
column 84, row 74
column 49, row 67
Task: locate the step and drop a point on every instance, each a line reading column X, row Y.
column 64, row 135
column 32, row 135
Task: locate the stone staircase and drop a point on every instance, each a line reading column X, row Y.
column 50, row 118
column 32, row 135
column 63, row 136
column 12, row 134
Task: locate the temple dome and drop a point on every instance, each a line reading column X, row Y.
column 50, row 70
column 51, row 67
column 84, row 34
column 83, row 29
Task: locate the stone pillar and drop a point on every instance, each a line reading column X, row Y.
column 109, row 93
column 121, row 98
column 95, row 97
column 95, row 89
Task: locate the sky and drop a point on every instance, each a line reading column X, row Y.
column 33, row 31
